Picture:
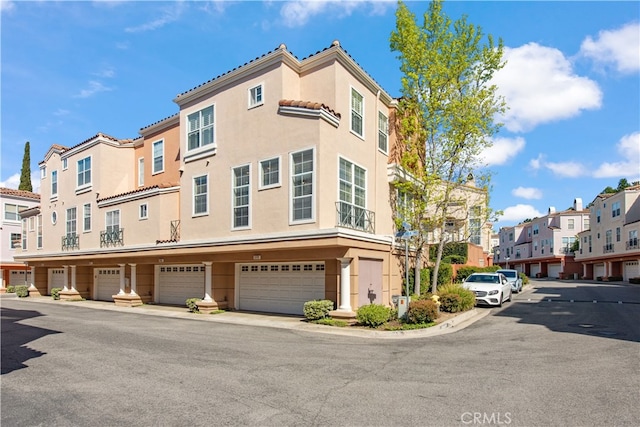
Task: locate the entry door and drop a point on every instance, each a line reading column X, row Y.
column 369, row 282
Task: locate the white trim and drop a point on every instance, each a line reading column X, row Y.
column 249, row 98
column 261, row 186
column 314, row 192
column 306, row 112
column 366, row 181
column 193, row 205
column 83, row 218
column 150, row 192
column 153, row 157
column 140, row 217
column 233, row 186
column 386, row 152
column 351, row 90
column 141, row 172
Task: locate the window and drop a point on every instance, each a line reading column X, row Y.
column 200, row 195
column 586, row 223
column 618, row 234
column 143, row 212
column 571, row 224
column 383, row 132
column 200, row 128
column 71, row 222
column 536, row 230
column 270, row 173
column 241, row 182
column 86, row 217
column 255, row 96
column 16, row 239
column 511, row 236
column 65, row 164
column 357, row 113
column 615, row 209
column 598, row 216
column 302, row 185
column 43, row 172
column 54, row 217
column 39, row 235
column 24, row 234
column 141, row 172
column 11, row 211
column 158, row 157
column 54, row 183
column 475, row 228
column 84, row 172
column 113, row 222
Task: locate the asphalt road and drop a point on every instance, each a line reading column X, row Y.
column 552, row 357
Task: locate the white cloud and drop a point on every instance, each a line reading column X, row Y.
column 7, row 6
column 536, row 163
column 566, row 169
column 518, row 213
column 169, row 15
column 502, row 150
column 629, row 166
column 527, row 192
column 107, row 72
column 298, row 13
column 539, row 86
column 14, row 181
column 94, row 87
column 619, row 47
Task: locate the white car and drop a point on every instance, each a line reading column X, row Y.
column 514, row 278
column 489, row 288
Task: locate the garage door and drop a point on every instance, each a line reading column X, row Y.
column 553, row 270
column 107, row 283
column 17, row 278
column 631, row 269
column 280, row 288
column 178, row 283
column 535, row 269
column 56, row 279
column 598, row 271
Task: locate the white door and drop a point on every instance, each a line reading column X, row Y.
column 280, row 288
column 178, row 283
column 535, row 269
column 631, row 269
column 598, row 271
column 17, row 278
column 56, row 279
column 553, row 270
column 107, row 283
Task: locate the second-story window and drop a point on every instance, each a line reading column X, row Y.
column 84, row 172
column 536, row 229
column 302, row 185
column 43, row 172
column 200, row 195
column 158, row 156
column 24, row 234
column 144, row 211
column 270, row 173
column 383, row 132
column 598, row 216
column 86, row 217
column 241, row 182
column 54, row 183
column 113, row 222
column 615, row 209
column 200, row 128
column 353, row 194
column 12, row 212
column 141, row 172
column 39, row 227
column 71, row 222
column 571, row 224
column 255, row 96
column 357, row 113
column 618, row 234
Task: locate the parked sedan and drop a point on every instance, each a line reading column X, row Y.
column 514, row 279
column 489, row 288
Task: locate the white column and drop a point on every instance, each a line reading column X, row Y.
column 133, row 280
column 207, row 281
column 33, row 275
column 2, row 279
column 66, row 278
column 345, row 284
column 121, row 291
column 73, row 277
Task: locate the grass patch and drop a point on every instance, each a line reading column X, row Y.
column 330, row 322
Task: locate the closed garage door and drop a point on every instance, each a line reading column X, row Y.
column 598, row 271
column 56, row 279
column 17, row 278
column 553, row 270
column 631, row 269
column 280, row 288
column 107, row 283
column 535, row 269
column 178, row 283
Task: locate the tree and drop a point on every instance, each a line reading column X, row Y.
column 25, row 174
column 622, row 184
column 445, row 118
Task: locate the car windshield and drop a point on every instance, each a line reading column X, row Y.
column 511, row 274
column 484, row 278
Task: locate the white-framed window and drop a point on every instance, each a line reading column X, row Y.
column 143, row 212
column 536, row 229
column 15, row 242
column 256, row 96
column 39, row 234
column 141, row 172
column 158, row 157
column 571, row 224
column 65, row 164
column 357, row 113
column 269, row 173
column 84, row 172
column 86, row 217
column 615, row 209
column 54, row 183
column 112, row 221
column 12, row 212
column 241, row 180
column 200, row 195
column 72, row 226
column 383, row 132
column 24, row 234
column 200, row 128
column 618, row 234
column 353, row 184
column 302, row 185
column 43, row 172
column 54, row 217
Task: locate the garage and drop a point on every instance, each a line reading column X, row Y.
column 107, row 283
column 553, row 270
column 280, row 288
column 178, row 283
column 56, row 279
column 17, row 278
column 631, row 269
column 535, row 269
column 598, row 271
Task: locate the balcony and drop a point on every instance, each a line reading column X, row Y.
column 355, row 217
column 70, row 241
column 632, row 243
column 608, row 248
column 113, row 237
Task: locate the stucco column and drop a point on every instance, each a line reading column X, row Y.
column 345, row 284
column 73, row 278
column 2, row 280
column 207, row 281
column 65, row 287
column 133, row 279
column 33, row 275
column 122, row 282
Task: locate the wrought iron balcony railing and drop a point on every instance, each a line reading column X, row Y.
column 70, row 241
column 355, row 217
column 608, row 248
column 114, row 237
column 175, row 230
column 632, row 243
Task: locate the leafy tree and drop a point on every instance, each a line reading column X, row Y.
column 445, row 118
column 25, row 174
column 622, row 184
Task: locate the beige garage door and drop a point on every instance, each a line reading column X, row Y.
column 631, row 269
column 56, row 279
column 107, row 283
column 553, row 270
column 17, row 278
column 178, row 283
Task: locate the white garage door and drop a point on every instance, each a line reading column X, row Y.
column 553, row 270
column 535, row 269
column 598, row 271
column 631, row 269
column 280, row 288
column 56, row 279
column 17, row 278
column 107, row 283
column 178, row 283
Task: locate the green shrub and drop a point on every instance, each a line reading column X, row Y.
column 454, row 259
column 466, row 271
column 11, row 289
column 317, row 309
column 55, row 293
column 445, row 274
column 373, row 315
column 422, row 311
column 450, row 303
column 425, row 283
column 467, row 298
column 192, row 304
column 452, row 248
column 22, row 291
column 525, row 278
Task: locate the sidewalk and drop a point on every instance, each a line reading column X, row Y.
column 453, row 324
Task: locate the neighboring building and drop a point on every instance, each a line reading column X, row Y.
column 14, row 233
column 543, row 246
column 610, row 247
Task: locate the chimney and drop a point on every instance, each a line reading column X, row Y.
column 552, row 209
column 577, row 204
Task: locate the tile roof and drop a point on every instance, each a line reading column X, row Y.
column 140, row 190
column 159, row 121
column 19, row 193
column 308, row 105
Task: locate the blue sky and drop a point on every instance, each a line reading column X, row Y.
column 572, row 81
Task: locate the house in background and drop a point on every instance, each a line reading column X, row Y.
column 13, row 235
